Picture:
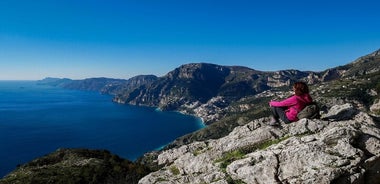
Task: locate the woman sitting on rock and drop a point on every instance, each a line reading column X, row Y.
column 287, row 109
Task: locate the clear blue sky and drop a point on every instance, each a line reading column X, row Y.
column 123, row 38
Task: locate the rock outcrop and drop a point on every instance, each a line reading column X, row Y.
column 77, row 166
column 375, row 108
column 343, row 149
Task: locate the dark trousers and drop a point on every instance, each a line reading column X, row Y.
column 279, row 113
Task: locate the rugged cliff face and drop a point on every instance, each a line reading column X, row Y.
column 204, row 89
column 342, row 148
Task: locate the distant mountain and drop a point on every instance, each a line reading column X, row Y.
column 365, row 65
column 128, row 85
column 59, row 82
column 103, row 85
column 90, row 84
column 362, row 66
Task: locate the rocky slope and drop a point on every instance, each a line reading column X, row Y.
column 342, row 148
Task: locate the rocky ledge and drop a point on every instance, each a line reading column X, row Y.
column 344, row 147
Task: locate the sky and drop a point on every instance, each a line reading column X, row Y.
column 123, row 38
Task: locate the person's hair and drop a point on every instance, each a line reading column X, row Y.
column 300, row 88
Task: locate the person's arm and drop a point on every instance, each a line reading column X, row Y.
column 284, row 103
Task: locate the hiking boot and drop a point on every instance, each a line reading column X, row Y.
column 273, row 122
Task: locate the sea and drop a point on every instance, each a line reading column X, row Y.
column 36, row 120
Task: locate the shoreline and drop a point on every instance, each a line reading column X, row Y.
column 201, row 121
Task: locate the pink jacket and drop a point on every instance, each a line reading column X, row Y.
column 293, row 104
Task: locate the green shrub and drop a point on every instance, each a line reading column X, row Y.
column 229, row 157
column 174, row 170
column 268, row 143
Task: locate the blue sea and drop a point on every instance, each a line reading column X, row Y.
column 36, row 120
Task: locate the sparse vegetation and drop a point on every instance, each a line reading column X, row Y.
column 199, row 151
column 232, row 181
column 354, row 89
column 229, row 157
column 268, row 143
column 174, row 170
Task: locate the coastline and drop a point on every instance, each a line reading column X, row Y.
column 71, row 136
column 201, row 122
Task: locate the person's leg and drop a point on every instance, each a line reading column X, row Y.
column 279, row 113
column 275, row 116
column 274, row 112
column 282, row 115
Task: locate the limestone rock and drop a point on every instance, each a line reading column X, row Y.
column 340, row 112
column 344, row 149
column 376, row 106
